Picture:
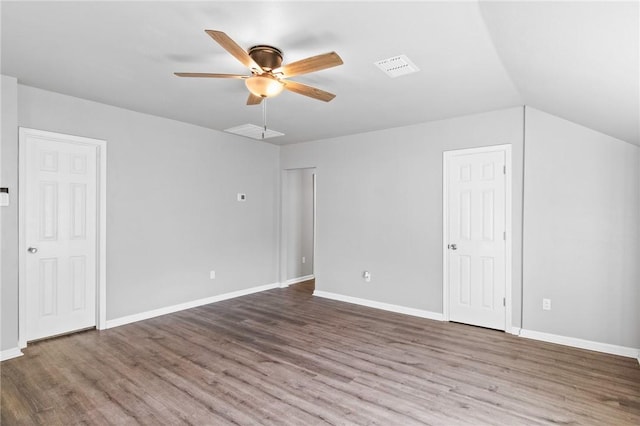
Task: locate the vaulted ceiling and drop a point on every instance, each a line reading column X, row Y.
column 577, row 60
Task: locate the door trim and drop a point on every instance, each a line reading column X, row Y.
column 101, row 253
column 446, row 155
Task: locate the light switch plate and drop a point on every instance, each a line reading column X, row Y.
column 4, row 198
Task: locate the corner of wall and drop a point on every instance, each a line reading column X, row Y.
column 9, row 214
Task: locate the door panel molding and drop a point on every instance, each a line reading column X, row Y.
column 447, row 155
column 25, row 135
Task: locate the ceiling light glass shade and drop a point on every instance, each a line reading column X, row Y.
column 264, row 86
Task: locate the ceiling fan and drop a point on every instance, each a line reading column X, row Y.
column 268, row 75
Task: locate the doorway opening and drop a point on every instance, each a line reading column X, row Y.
column 298, row 228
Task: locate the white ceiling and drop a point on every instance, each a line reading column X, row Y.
column 577, row 60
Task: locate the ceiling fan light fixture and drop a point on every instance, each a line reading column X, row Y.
column 264, row 86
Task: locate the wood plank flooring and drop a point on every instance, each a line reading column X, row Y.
column 284, row 357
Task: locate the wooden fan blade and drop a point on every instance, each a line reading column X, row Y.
column 232, row 47
column 253, row 99
column 314, row 63
column 303, row 89
column 209, row 75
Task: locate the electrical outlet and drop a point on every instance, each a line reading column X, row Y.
column 546, row 304
column 212, row 275
column 304, row 259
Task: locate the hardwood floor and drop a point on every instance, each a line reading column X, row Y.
column 306, row 286
column 285, row 357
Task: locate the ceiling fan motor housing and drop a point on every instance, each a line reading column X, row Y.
column 268, row 57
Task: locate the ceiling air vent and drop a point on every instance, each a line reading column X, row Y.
column 254, row 132
column 397, row 66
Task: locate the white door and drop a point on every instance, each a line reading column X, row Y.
column 476, row 240
column 60, row 234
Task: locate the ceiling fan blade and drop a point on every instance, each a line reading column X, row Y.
column 314, row 63
column 209, row 75
column 232, row 47
column 303, row 89
column 253, row 99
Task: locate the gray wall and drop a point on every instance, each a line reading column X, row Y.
column 9, row 228
column 172, row 214
column 299, row 222
column 379, row 206
column 582, row 232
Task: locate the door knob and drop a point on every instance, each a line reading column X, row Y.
column 452, row 247
column 32, row 250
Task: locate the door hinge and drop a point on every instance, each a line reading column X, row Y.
column 504, row 170
column 504, row 301
column 504, row 235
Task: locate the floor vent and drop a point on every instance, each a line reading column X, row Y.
column 254, row 132
column 397, row 66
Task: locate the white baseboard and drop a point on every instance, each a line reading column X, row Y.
column 380, row 305
column 187, row 305
column 296, row 280
column 582, row 344
column 10, row 353
column 529, row 334
column 514, row 330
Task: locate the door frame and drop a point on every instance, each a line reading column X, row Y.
column 101, row 240
column 284, row 194
column 506, row 148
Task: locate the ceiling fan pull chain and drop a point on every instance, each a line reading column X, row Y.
column 264, row 117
